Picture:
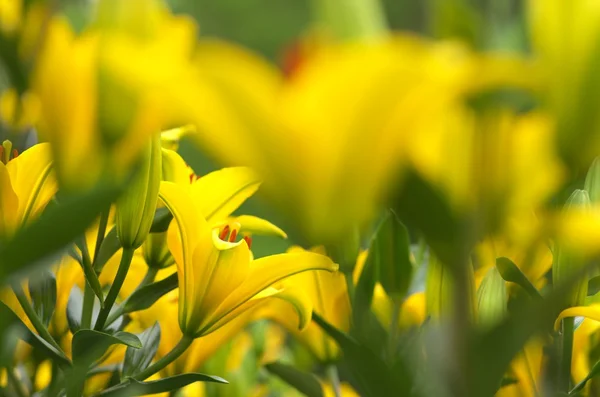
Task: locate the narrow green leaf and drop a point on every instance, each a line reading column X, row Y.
column 390, row 249
column 593, row 373
column 42, row 238
column 33, row 339
column 306, row 383
column 490, row 352
column 42, row 289
column 110, row 246
column 373, row 376
column 162, row 219
column 92, row 278
column 510, row 272
column 137, row 360
column 133, row 387
column 145, row 297
column 88, row 346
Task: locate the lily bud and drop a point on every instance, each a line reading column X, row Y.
column 135, row 209
column 491, row 298
column 156, row 251
column 592, row 181
column 568, row 262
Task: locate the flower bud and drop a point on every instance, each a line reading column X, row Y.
column 491, row 299
column 156, row 251
column 568, row 262
column 136, row 208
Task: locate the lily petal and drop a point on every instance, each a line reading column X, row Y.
column 591, row 312
column 266, row 271
column 174, row 168
column 191, row 225
column 254, row 225
column 301, row 303
column 8, row 203
column 31, row 180
column 219, row 193
column 217, row 271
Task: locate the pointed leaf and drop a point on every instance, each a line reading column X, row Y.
column 42, row 289
column 33, row 339
column 306, row 383
column 371, row 373
column 137, row 360
column 88, row 346
column 136, row 388
column 510, row 272
column 390, row 251
column 145, row 297
column 593, row 286
column 42, row 238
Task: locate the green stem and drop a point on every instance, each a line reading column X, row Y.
column 101, row 232
column 118, row 312
column 177, row 351
column 350, row 287
column 33, row 317
column 115, row 288
column 334, row 378
column 564, row 376
column 88, row 307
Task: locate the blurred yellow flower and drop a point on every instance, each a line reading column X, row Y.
column 116, row 95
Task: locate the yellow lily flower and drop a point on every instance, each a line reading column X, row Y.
column 350, row 110
column 464, row 156
column 26, row 185
column 218, row 280
column 113, row 101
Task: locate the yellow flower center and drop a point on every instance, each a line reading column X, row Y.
column 7, row 152
column 229, row 233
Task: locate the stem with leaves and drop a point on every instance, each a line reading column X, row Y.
column 115, row 288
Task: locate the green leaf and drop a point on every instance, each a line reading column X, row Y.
column 510, row 272
column 110, row 246
column 137, row 360
column 42, row 289
column 87, row 347
column 10, row 318
column 145, row 297
column 305, row 383
column 162, row 219
column 593, row 373
column 390, row 251
column 491, row 352
column 133, row 387
column 42, row 238
column 365, row 325
column 373, row 376
column 91, row 276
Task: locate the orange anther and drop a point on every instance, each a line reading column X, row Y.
column 248, row 241
column 1, row 152
column 15, row 153
column 233, row 236
column 224, row 232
